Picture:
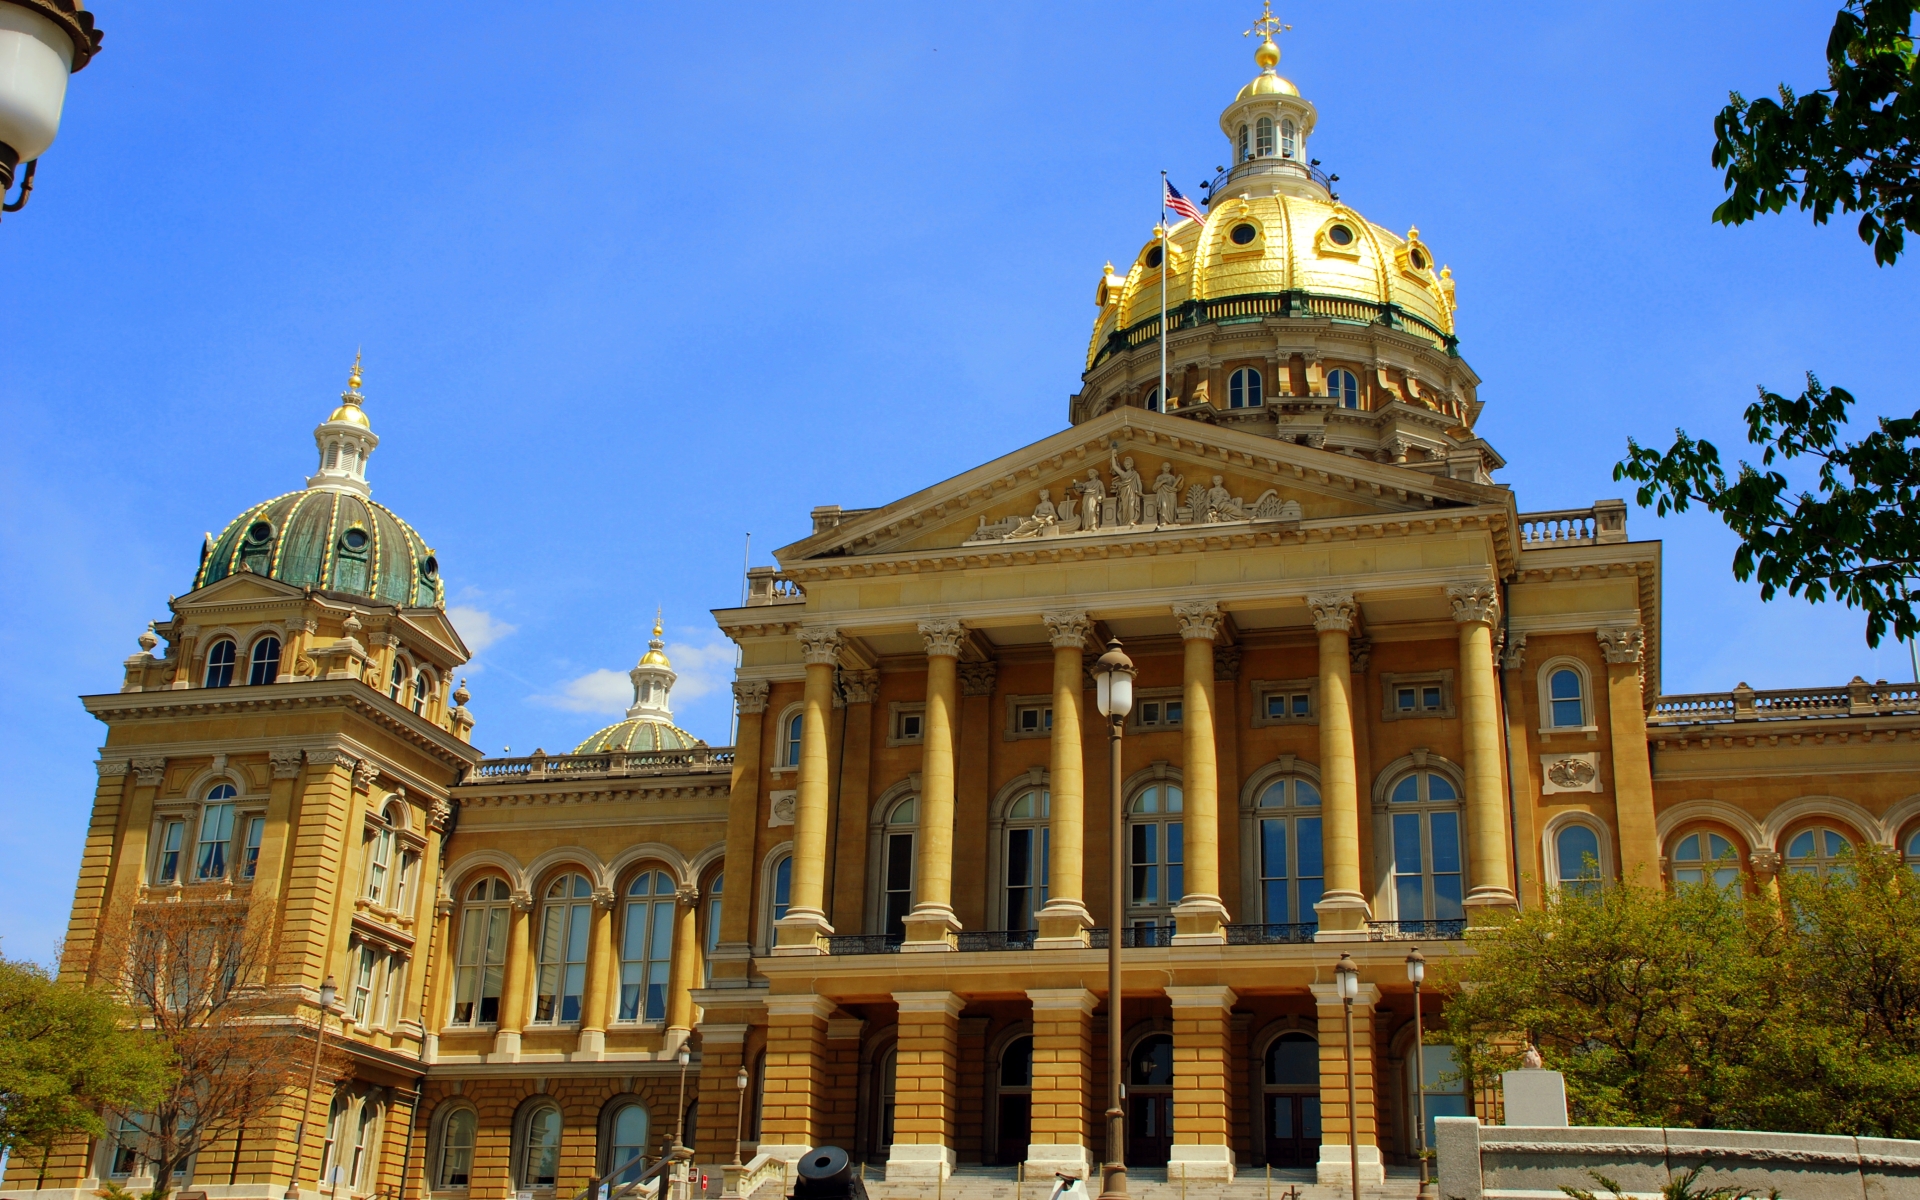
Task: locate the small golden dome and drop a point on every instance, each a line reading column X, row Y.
column 352, row 414
column 349, row 410
column 1266, row 83
column 655, row 655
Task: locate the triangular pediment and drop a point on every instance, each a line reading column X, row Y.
column 1186, row 477
column 241, row 587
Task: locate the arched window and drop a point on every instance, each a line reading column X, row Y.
column 1576, row 853
column 336, row 1130
column 1444, row 1086
column 1292, row 1087
column 714, row 906
column 1155, row 402
column 250, row 853
column 1703, row 856
column 1344, row 387
column 1567, row 698
column 379, row 863
column 483, row 954
column 1286, row 138
column 1425, row 811
column 564, row 921
column 397, row 681
column 1243, row 388
column 1241, row 146
column 265, row 665
column 1913, row 852
column 422, row 688
column 1016, row 1100
column 1156, row 859
column 540, row 1148
column 896, row 858
column 782, row 888
column 791, row 755
column 1029, row 858
column 1263, row 138
column 216, row 834
column 456, row 1148
column 627, row 1143
column 1818, row 851
column 363, row 1144
column 1150, row 1101
column 1292, row 871
column 646, row 947
column 220, row 663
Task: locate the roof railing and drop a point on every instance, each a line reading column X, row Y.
column 1857, row 698
column 612, row 763
column 1602, row 524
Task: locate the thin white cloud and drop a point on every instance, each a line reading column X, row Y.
column 478, row 627
column 601, row 691
column 700, row 669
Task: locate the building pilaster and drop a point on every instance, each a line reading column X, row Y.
column 926, row 1086
column 732, row 955
column 791, row 1112
column 1200, row 915
column 1624, row 650
column 1346, row 1121
column 1064, row 920
column 1342, row 911
column 516, row 980
column 1202, row 1083
column 1062, row 1082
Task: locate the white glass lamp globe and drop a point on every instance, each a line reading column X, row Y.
column 36, row 56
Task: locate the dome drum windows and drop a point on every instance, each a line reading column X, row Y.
column 1263, row 138
column 1288, row 138
column 1245, row 389
column 1343, row 387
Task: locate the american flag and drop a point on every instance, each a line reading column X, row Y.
column 1180, row 204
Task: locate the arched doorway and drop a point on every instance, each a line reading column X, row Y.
column 1291, row 1075
column 1150, row 1101
column 1015, row 1110
column 880, row 1111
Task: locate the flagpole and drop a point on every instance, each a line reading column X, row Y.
column 1164, row 265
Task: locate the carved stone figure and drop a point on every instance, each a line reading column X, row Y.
column 1127, row 488
column 1572, row 773
column 1045, row 515
column 1094, row 495
column 1166, row 494
column 1221, row 505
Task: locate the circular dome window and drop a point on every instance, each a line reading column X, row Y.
column 1419, row 260
column 1153, row 258
column 1243, row 233
column 430, row 567
column 1340, row 235
column 260, row 531
column 354, row 539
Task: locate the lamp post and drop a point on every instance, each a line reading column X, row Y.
column 328, row 992
column 1416, row 973
column 1347, row 976
column 42, row 42
column 680, row 1153
column 1113, row 695
column 739, row 1114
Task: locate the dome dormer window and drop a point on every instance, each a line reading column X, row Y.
column 1340, row 235
column 1153, row 259
column 264, row 666
column 1155, row 402
column 220, row 664
column 1244, row 388
column 1263, row 138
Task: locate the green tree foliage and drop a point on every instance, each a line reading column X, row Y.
column 66, row 1054
column 1851, row 147
column 1706, row 1008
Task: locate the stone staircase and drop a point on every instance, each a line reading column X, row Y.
column 1253, row 1183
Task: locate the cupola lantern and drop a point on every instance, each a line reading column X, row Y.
column 345, row 440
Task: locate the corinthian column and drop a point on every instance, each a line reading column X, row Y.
column 1199, row 915
column 1342, row 910
column 932, row 923
column 1624, row 650
column 743, row 822
column 1065, row 920
column 1487, row 859
column 801, row 931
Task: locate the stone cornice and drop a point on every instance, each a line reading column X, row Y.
column 566, row 792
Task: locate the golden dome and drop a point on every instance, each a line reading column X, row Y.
column 655, row 655
column 352, row 414
column 1268, row 84
column 350, row 410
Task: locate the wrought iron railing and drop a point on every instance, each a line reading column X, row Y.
column 1266, row 164
column 997, row 939
column 1396, row 931
column 864, row 943
column 1271, row 935
column 1193, row 313
column 540, row 765
column 1857, row 698
column 1140, row 934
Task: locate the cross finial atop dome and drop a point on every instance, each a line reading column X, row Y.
column 1268, row 53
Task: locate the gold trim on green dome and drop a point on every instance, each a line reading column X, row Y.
column 621, row 736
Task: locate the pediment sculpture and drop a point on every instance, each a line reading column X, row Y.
column 1126, row 500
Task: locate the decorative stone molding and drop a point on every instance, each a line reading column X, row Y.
column 1199, row 619
column 1068, row 628
column 1332, row 611
column 1515, row 656
column 1623, row 645
column 148, row 772
column 364, row 774
column 780, row 807
column 1765, row 863
column 444, row 906
column 603, row 899
column 686, row 895
column 976, row 679
column 1476, row 603
column 522, row 902
column 751, row 695
column 331, row 758
column 438, row 814
column 1569, row 773
column 943, row 636
column 820, row 647
column 1359, row 654
column 286, row 763
column 111, row 767
column 1226, row 664
column 860, row 687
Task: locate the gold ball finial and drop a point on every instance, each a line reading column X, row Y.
column 656, row 623
column 1267, row 55
column 353, row 376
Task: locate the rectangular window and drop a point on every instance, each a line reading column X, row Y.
column 1426, row 866
column 1427, row 695
column 379, row 861
column 1159, row 714
column 1028, row 851
column 899, row 881
column 166, row 868
column 393, row 994
column 402, row 879
column 216, row 835
column 125, row 1160
column 563, row 962
column 910, row 726
column 1033, row 718
column 1290, row 886
column 1285, row 701
column 483, row 952
column 250, row 856
column 362, row 985
column 1287, row 705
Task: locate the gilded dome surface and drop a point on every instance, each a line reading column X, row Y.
column 332, row 539
column 636, row 734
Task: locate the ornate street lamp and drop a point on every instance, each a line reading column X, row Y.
column 739, row 1114
column 328, row 993
column 680, row 1152
column 1113, row 695
column 1347, row 976
column 1416, row 973
column 42, row 42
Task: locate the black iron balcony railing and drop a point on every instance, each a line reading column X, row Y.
column 1395, row 931
column 864, row 943
column 998, row 939
column 1139, row 934
column 1271, row 935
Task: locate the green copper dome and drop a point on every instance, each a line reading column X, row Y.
column 335, row 540
column 636, row 734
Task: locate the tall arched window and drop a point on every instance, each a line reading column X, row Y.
column 1242, row 146
column 220, row 663
column 627, row 1143
column 1150, row 1101
column 363, row 1144
column 896, row 865
column 564, row 920
column 483, row 953
column 1576, row 853
column 714, row 906
column 1292, row 870
column 782, row 889
column 456, row 1148
column 646, row 947
column 397, row 681
column 540, row 1148
column 1913, row 852
column 1016, row 1100
column 1029, row 852
column 265, row 665
column 1425, row 811
column 1292, row 1087
column 1156, row 858
column 1567, row 698
column 379, row 863
column 1702, row 856
column 216, row 834
column 1263, row 138
column 422, row 688
column 1344, row 387
column 1818, row 851
column 1286, row 138
column 1243, row 389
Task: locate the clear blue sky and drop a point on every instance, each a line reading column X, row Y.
column 634, row 280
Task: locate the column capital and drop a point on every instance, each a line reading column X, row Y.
column 522, row 902
column 1515, row 655
column 943, row 636
column 444, row 906
column 438, row 814
column 148, row 772
column 1359, row 654
column 1208, row 996
column 1765, row 863
column 1627, row 645
column 1332, row 611
column 751, row 695
column 1067, row 628
column 860, row 687
column 1063, row 999
column 949, row 1003
column 1474, row 604
column 1199, row 619
column 603, row 899
column 977, row 679
column 111, row 767
column 820, row 647
column 286, row 763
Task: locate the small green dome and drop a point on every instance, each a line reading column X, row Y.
column 636, row 734
column 333, row 539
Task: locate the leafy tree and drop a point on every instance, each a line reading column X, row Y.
column 1851, row 147
column 65, row 1053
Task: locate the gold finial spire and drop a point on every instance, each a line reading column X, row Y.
column 656, row 622
column 353, row 376
column 1267, row 54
